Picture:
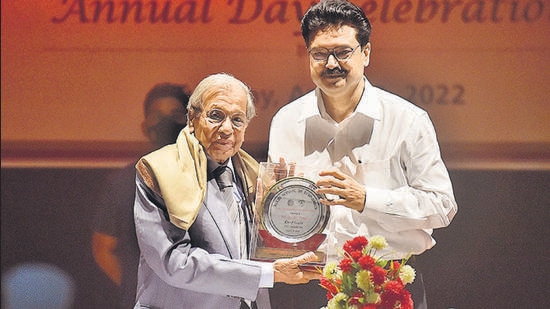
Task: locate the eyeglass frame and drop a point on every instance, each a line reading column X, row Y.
column 215, row 122
column 331, row 52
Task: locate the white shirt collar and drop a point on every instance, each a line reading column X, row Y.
column 368, row 104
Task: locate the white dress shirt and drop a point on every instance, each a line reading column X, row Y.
column 387, row 144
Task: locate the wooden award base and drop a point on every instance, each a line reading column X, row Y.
column 273, row 249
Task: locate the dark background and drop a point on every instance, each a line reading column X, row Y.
column 495, row 254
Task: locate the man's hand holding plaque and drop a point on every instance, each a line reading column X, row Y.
column 290, row 212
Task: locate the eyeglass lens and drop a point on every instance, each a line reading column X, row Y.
column 341, row 53
column 217, row 116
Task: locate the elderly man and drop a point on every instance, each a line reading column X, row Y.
column 193, row 227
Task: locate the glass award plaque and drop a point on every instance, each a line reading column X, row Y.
column 291, row 216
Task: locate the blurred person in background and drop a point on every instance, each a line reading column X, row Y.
column 114, row 242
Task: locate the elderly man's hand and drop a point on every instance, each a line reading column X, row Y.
column 283, row 169
column 289, row 271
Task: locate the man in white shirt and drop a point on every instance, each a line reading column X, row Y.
column 377, row 154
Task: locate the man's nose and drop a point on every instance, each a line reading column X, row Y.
column 332, row 62
column 226, row 125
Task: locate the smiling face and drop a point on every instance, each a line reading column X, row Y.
column 334, row 77
column 221, row 125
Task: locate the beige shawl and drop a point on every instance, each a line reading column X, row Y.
column 177, row 172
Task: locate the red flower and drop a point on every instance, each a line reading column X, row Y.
column 393, row 287
column 356, row 244
column 356, row 298
column 378, row 275
column 329, row 286
column 394, row 295
column 366, row 262
column 346, row 265
column 384, row 280
column 393, row 272
column 396, row 264
column 355, row 255
column 406, row 300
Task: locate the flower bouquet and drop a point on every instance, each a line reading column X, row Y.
column 362, row 281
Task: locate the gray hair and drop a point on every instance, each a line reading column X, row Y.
column 214, row 84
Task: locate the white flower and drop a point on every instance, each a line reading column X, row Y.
column 330, row 271
column 407, row 274
column 378, row 242
column 338, row 301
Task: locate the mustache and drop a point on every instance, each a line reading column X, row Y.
column 335, row 71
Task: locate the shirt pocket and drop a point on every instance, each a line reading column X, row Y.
column 376, row 174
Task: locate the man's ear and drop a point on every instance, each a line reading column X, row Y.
column 190, row 120
column 366, row 55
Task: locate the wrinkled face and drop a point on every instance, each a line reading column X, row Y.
column 338, row 77
column 221, row 125
column 165, row 119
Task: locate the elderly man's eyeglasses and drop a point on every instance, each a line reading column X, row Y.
column 341, row 53
column 217, row 116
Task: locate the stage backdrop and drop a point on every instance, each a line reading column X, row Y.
column 75, row 72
